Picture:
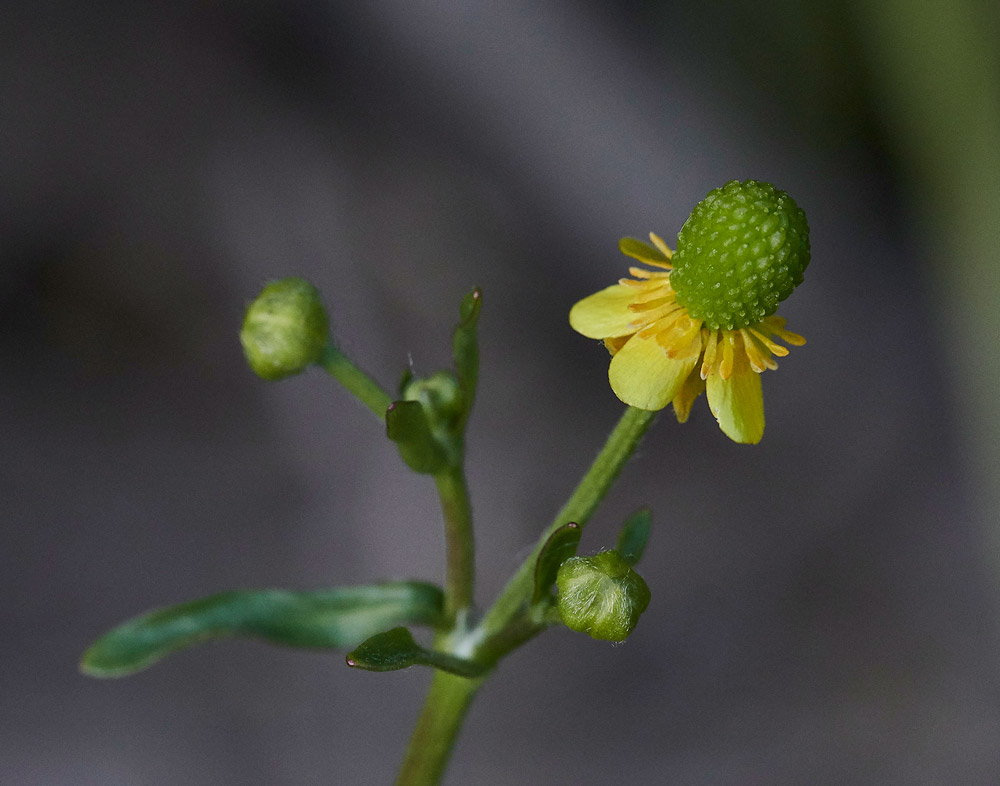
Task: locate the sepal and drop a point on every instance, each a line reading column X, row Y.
column 561, row 545
column 406, row 424
column 396, row 649
column 634, row 535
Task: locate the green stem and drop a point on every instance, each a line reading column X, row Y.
column 437, row 729
column 357, row 382
column 501, row 629
column 617, row 450
column 460, row 567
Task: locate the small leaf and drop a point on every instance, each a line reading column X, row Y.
column 465, row 346
column 644, row 252
column 560, row 546
column 633, row 536
column 396, row 649
column 406, row 425
column 333, row 618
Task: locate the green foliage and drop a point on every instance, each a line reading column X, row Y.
column 634, row 535
column 560, row 546
column 396, row 649
column 406, row 424
column 465, row 349
column 324, row 619
column 428, row 424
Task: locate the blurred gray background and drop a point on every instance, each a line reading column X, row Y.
column 825, row 604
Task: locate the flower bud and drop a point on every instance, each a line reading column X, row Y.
column 601, row 595
column 285, row 329
column 441, row 397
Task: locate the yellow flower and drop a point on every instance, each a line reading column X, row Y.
column 661, row 354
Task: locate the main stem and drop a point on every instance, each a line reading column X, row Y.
column 437, row 729
column 460, row 567
column 449, row 696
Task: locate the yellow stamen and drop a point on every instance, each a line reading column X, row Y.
column 663, row 323
column 639, row 272
column 679, row 338
column 752, row 351
column 710, row 346
column 728, row 353
column 658, row 242
column 652, row 293
column 790, row 338
column 774, row 324
column 640, row 304
column 777, row 349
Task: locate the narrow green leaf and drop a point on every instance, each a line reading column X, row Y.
column 406, row 425
column 396, row 649
column 560, row 546
column 644, row 252
column 465, row 346
column 633, row 536
column 332, row 618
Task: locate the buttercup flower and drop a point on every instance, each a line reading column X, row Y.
column 703, row 320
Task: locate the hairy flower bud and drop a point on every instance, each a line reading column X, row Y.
column 285, row 329
column 601, row 595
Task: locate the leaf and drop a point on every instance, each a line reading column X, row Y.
column 560, row 546
column 332, row 618
column 396, row 649
column 465, row 346
column 634, row 534
column 644, row 252
column 406, row 425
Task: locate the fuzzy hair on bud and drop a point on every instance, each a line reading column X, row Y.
column 601, row 595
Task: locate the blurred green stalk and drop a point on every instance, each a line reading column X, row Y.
column 936, row 73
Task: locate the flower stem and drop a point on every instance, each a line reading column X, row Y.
column 460, row 567
column 593, row 487
column 357, row 382
column 500, row 630
column 437, row 729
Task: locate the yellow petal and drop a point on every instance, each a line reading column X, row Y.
column 604, row 314
column 616, row 343
column 643, row 376
column 738, row 405
column 693, row 387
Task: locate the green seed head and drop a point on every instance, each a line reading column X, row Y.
column 740, row 253
column 601, row 595
column 285, row 329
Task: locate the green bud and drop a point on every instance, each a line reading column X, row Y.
column 601, row 595
column 441, row 397
column 285, row 329
column 740, row 253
